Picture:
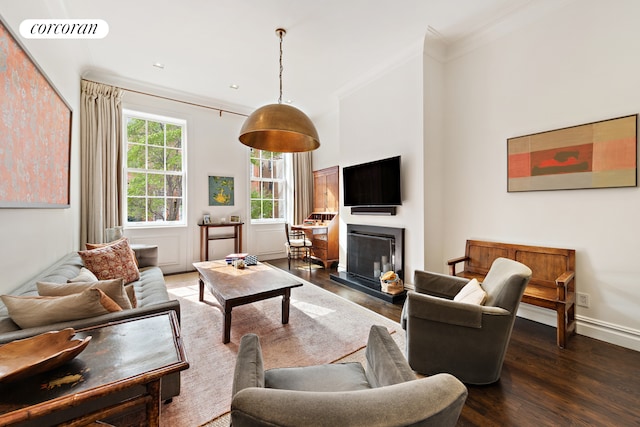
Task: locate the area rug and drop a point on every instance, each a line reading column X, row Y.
column 322, row 328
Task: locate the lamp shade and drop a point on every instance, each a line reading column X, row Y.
column 279, row 128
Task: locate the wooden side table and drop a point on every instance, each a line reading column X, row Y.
column 205, row 237
column 120, row 369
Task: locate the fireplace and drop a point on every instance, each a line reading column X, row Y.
column 371, row 251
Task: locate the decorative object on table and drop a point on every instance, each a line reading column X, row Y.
column 279, row 127
column 234, row 218
column 31, row 356
column 206, row 219
column 232, row 257
column 221, row 191
column 238, row 263
column 391, row 283
column 35, row 132
column 251, row 260
column 594, row 155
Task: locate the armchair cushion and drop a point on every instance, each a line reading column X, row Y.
column 334, row 377
column 471, row 293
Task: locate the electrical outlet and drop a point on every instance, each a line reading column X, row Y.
column 583, row 300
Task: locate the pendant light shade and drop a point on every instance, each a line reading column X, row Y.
column 279, row 127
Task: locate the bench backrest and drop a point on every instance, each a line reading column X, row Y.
column 545, row 263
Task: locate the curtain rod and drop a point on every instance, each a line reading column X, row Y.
column 172, row 99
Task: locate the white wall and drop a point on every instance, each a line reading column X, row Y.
column 574, row 66
column 32, row 239
column 383, row 119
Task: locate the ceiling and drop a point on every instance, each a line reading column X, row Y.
column 330, row 46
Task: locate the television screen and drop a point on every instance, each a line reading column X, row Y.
column 373, row 184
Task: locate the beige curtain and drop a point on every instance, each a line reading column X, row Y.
column 100, row 160
column 302, row 186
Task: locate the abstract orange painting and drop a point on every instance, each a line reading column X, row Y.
column 35, row 132
column 593, row 155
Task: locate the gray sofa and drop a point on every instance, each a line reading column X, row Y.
column 151, row 295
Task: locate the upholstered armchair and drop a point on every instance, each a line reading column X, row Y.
column 386, row 394
column 467, row 340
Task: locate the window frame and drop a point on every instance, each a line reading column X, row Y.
column 166, row 120
column 284, row 199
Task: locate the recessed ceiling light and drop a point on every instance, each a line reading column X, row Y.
column 159, row 65
column 234, row 86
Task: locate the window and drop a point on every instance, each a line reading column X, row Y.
column 268, row 186
column 155, row 169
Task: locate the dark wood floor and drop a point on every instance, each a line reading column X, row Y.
column 590, row 383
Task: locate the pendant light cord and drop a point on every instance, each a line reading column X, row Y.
column 280, row 98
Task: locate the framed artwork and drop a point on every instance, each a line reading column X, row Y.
column 35, row 132
column 206, row 219
column 234, row 218
column 221, row 191
column 594, row 155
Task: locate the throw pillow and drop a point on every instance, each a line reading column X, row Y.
column 114, row 289
column 30, row 312
column 471, row 293
column 112, row 262
column 84, row 276
column 131, row 294
column 90, row 246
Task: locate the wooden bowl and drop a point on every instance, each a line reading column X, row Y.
column 31, row 356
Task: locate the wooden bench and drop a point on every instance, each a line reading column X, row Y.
column 553, row 282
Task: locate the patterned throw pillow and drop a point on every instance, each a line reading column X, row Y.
column 90, row 246
column 30, row 312
column 112, row 262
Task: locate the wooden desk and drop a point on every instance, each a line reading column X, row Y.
column 322, row 230
column 121, row 368
column 205, row 237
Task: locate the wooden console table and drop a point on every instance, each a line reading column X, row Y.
column 121, row 368
column 205, row 237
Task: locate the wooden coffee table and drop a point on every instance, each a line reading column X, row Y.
column 233, row 287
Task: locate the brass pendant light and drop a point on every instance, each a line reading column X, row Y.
column 277, row 127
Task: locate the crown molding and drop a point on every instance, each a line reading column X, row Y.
column 511, row 20
column 162, row 91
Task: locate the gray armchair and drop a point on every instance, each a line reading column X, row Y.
column 466, row 340
column 387, row 394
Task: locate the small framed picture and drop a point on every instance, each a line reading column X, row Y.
column 206, row 219
column 234, row 218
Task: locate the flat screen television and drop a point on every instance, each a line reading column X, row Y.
column 373, row 184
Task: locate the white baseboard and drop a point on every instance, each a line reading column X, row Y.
column 589, row 327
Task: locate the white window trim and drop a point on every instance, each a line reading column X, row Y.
column 288, row 173
column 165, row 119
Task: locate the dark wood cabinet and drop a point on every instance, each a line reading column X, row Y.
column 326, row 190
